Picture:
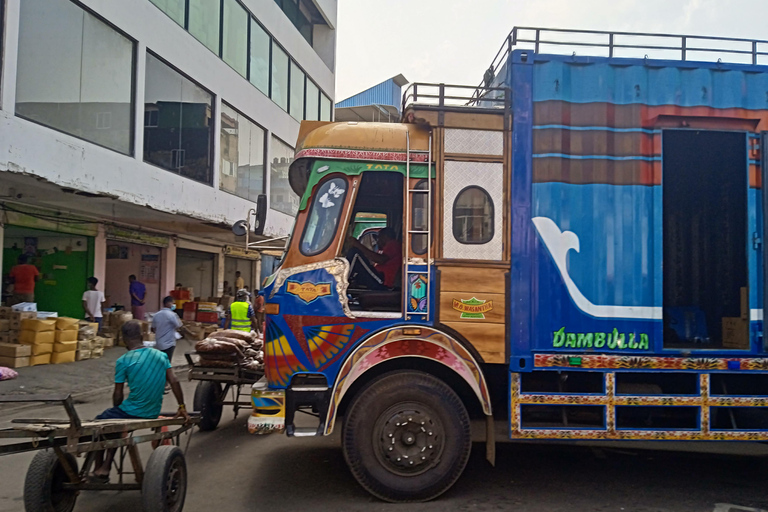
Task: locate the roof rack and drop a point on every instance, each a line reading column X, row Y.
column 454, row 96
column 630, row 45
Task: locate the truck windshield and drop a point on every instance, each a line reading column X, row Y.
column 324, row 216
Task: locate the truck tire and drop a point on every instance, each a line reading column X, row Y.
column 164, row 486
column 406, row 437
column 206, row 402
column 42, row 486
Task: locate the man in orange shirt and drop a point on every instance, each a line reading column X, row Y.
column 24, row 276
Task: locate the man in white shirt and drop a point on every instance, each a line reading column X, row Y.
column 92, row 301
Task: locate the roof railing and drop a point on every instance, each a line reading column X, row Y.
column 629, row 45
column 447, row 95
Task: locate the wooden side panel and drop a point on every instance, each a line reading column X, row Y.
column 473, row 302
column 488, row 339
column 472, row 280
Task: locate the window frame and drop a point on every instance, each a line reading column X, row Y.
column 263, row 149
column 311, row 209
column 132, row 149
column 214, row 113
column 492, row 215
column 431, row 213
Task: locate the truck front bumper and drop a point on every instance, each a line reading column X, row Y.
column 268, row 416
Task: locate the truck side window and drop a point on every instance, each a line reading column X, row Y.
column 473, row 216
column 324, row 215
column 419, row 219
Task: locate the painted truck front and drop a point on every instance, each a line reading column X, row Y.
column 594, row 268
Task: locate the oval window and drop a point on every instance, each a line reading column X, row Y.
column 324, row 215
column 473, row 216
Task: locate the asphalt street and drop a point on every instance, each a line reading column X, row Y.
column 230, row 470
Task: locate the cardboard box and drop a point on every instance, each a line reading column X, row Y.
column 5, row 312
column 63, row 357
column 97, row 342
column 65, row 346
column 149, row 336
column 12, row 350
column 14, row 337
column 97, row 352
column 41, row 348
column 66, row 335
column 109, row 342
column 17, row 317
column 5, row 337
column 5, row 325
column 145, row 327
column 226, row 301
column 86, row 333
column 82, row 355
column 25, row 306
column 189, row 316
column 65, row 323
column 38, row 325
column 194, row 331
column 84, row 345
column 14, row 362
column 37, row 338
column 45, row 315
column 40, row 359
column 735, row 333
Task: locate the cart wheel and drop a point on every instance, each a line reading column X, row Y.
column 207, row 396
column 43, row 486
column 165, row 481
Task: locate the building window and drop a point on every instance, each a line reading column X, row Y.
column 175, row 9
column 73, row 69
column 177, row 118
column 235, row 48
column 313, row 102
column 325, row 108
column 473, row 216
column 260, row 43
column 279, row 77
column 242, row 155
column 297, row 92
column 294, row 10
column 204, row 19
column 281, row 196
column 324, row 217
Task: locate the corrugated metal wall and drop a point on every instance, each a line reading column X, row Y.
column 385, row 93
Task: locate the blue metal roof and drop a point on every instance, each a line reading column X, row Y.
column 387, row 92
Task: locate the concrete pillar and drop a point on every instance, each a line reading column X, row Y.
column 100, row 256
column 218, row 285
column 256, row 273
column 168, row 269
column 138, row 132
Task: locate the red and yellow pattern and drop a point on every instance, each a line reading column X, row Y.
column 327, row 341
column 612, row 362
column 280, row 363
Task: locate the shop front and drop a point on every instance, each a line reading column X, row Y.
column 237, row 260
column 197, row 270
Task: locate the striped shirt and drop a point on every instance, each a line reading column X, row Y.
column 144, row 371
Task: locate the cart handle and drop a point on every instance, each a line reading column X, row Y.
column 65, row 400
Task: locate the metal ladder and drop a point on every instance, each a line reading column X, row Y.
column 411, row 263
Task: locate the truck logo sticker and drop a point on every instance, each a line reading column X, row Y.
column 612, row 340
column 308, row 292
column 472, row 308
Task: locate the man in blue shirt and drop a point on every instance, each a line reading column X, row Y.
column 138, row 293
column 165, row 324
column 146, row 371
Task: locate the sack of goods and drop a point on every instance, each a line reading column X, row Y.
column 86, row 332
column 229, row 348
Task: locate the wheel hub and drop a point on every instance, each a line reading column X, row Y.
column 410, row 439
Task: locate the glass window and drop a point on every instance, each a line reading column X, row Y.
column 324, row 217
column 419, row 218
column 297, row 92
column 173, row 8
column 281, row 196
column 473, row 216
column 204, row 18
column 177, row 122
column 235, row 48
column 242, row 155
column 75, row 73
column 260, row 43
column 313, row 102
column 279, row 77
column 325, row 108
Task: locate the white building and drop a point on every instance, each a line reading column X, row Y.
column 133, row 133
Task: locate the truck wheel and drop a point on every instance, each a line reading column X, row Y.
column 206, row 402
column 43, row 485
column 164, row 486
column 406, row 437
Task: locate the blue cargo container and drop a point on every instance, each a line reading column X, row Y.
column 581, row 258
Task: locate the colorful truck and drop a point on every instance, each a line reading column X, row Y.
column 582, row 258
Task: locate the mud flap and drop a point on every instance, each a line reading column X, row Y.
column 490, row 440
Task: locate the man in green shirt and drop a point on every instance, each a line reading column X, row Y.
column 146, row 371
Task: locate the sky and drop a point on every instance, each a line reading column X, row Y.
column 454, row 41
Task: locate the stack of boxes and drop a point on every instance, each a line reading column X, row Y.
column 207, row 313
column 9, row 332
column 14, row 356
column 65, row 345
column 40, row 334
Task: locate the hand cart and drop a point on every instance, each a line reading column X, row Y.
column 214, row 386
column 53, row 480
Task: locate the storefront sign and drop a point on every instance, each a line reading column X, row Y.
column 136, row 237
column 239, row 252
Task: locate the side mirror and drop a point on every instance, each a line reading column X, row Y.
column 261, row 214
